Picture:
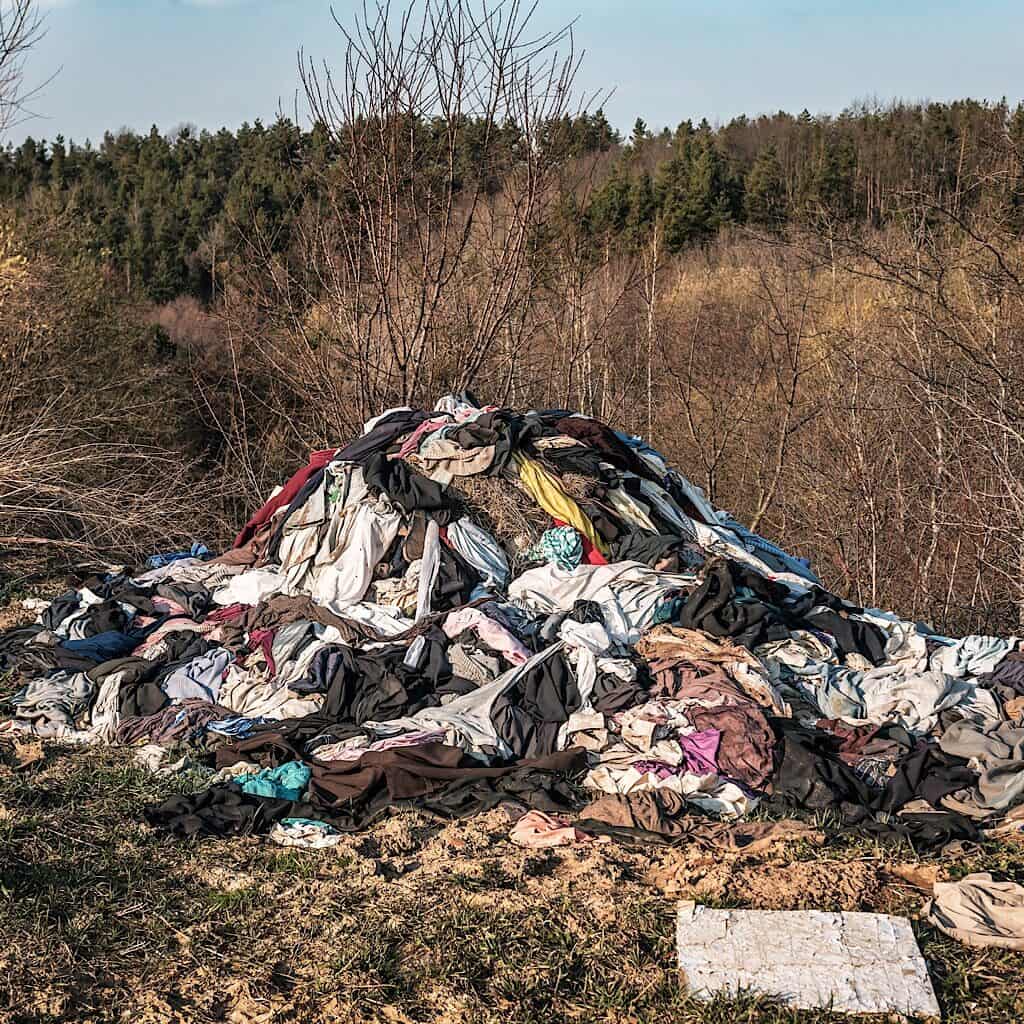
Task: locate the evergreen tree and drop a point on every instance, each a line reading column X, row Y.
column 643, row 206
column 764, row 198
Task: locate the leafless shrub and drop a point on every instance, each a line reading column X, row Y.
column 75, row 497
column 21, row 27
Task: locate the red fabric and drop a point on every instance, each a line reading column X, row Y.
column 227, row 614
column 265, row 638
column 317, row 460
column 590, row 554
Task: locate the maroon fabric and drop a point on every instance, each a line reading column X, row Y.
column 317, row 460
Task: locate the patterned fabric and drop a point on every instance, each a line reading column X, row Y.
column 561, row 545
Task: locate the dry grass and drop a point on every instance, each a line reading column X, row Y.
column 58, row 490
column 414, row 920
column 502, row 507
column 576, row 486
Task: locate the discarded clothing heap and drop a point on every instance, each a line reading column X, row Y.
column 378, row 636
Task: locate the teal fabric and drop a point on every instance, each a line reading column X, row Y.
column 562, row 545
column 286, row 782
column 668, row 611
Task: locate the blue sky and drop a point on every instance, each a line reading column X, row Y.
column 135, row 63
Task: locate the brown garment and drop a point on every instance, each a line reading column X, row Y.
column 745, row 750
column 665, row 813
column 406, row 772
column 682, row 681
column 661, row 812
column 851, row 739
column 672, row 644
column 251, row 552
column 409, row 772
column 757, row 837
column 676, row 656
column 267, row 747
column 281, row 609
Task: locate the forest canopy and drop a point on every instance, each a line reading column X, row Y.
column 167, row 211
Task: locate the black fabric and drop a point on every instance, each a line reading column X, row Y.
column 810, row 776
column 609, row 528
column 577, row 458
column 193, row 597
column 613, row 694
column 15, row 656
column 141, row 698
column 273, row 743
column 350, row 795
column 456, row 579
column 649, row 548
column 409, row 490
column 528, row 715
column 1006, row 680
column 604, row 440
column 140, row 695
column 138, row 597
column 736, row 602
column 120, row 587
column 376, row 685
column 718, row 608
column 384, row 433
column 183, row 646
column 851, row 635
column 105, row 617
column 59, row 609
column 925, row 831
column 926, row 773
column 48, row 659
column 457, row 686
column 134, row 669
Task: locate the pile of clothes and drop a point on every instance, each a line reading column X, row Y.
column 372, row 641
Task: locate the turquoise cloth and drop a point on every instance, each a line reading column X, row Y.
column 286, row 782
column 561, row 544
column 668, row 611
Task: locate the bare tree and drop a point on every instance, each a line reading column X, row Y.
column 21, row 27
column 442, row 177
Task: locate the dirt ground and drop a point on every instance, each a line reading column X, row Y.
column 413, row 920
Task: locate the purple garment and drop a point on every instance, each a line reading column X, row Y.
column 699, row 750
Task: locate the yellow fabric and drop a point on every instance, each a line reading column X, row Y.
column 548, row 493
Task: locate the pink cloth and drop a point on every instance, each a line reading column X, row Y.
column 537, row 830
column 228, row 613
column 412, row 442
column 264, row 638
column 170, row 626
column 492, row 633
